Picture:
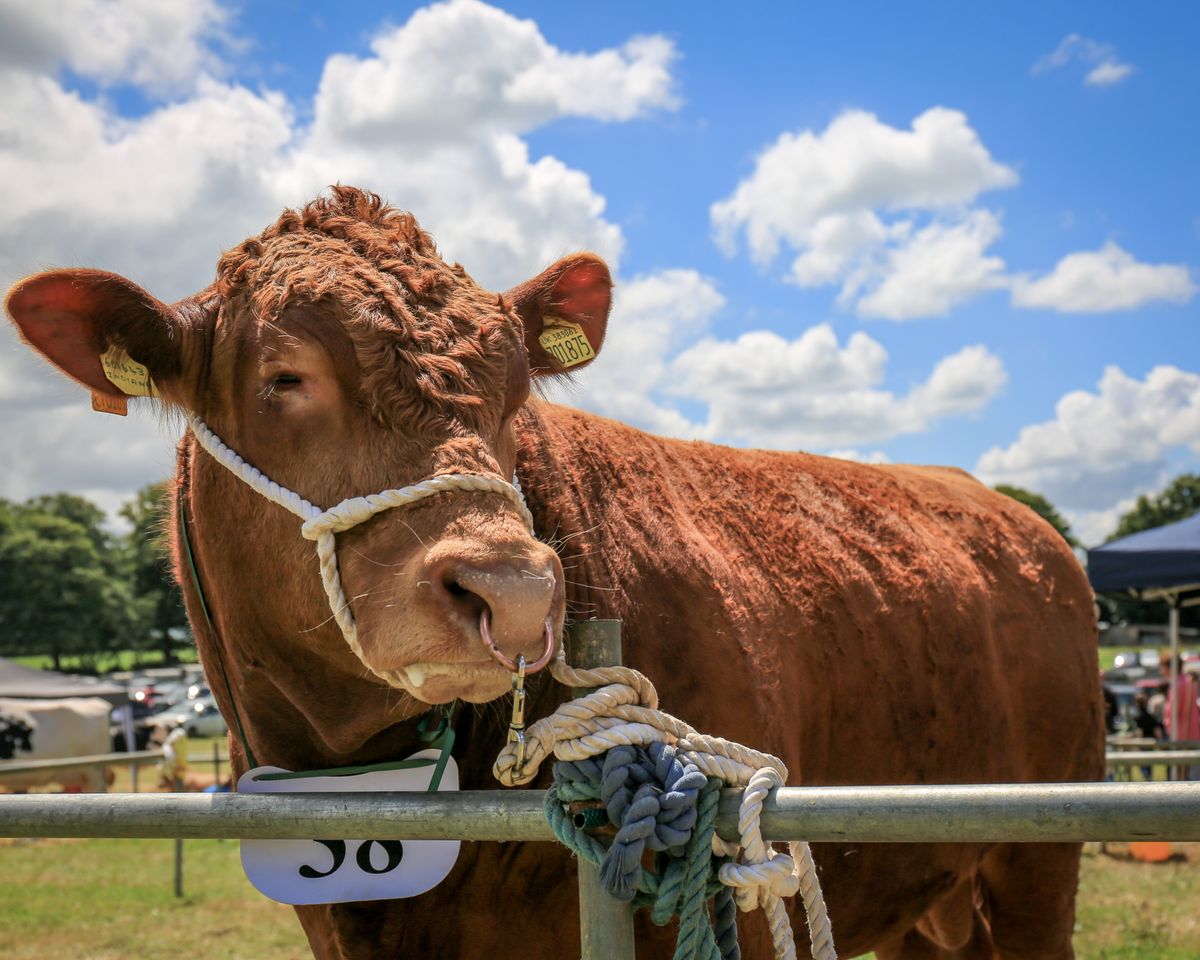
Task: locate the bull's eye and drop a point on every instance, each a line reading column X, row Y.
column 285, row 380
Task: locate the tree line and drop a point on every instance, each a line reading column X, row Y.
column 70, row 586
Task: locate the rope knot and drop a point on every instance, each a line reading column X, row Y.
column 659, row 781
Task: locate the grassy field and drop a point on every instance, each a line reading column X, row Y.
column 112, row 899
column 108, row 662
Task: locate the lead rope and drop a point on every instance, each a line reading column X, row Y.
column 322, row 526
column 624, row 712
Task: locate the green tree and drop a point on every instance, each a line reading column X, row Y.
column 157, row 597
column 1042, row 507
column 60, row 586
column 1178, row 501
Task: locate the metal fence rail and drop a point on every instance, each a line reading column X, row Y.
column 129, row 758
column 993, row 813
column 1148, row 758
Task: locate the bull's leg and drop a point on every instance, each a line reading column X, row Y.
column 1029, row 892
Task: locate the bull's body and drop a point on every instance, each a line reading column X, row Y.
column 865, row 624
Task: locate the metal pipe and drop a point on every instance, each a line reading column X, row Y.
column 1146, row 758
column 605, row 924
column 925, row 814
column 69, row 763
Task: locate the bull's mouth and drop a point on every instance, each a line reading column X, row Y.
column 436, row 682
column 475, row 681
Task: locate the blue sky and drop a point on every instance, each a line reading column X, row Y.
column 966, row 237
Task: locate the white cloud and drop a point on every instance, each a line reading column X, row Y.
column 810, row 393
column 1104, row 447
column 882, row 211
column 1092, row 527
column 160, row 45
column 942, row 266
column 1102, row 280
column 859, row 456
column 1107, row 73
column 886, row 214
column 653, row 317
column 1105, row 69
column 158, row 197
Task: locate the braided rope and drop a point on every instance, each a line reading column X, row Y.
column 322, row 526
column 623, row 713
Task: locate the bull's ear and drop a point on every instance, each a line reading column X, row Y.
column 90, row 324
column 565, row 312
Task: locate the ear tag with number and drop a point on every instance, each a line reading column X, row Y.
column 124, row 372
column 565, row 341
column 340, row 871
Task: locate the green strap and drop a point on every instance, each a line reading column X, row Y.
column 441, row 735
column 212, row 630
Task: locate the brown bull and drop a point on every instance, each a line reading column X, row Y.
column 866, row 624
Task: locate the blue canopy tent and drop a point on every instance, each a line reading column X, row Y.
column 1158, row 564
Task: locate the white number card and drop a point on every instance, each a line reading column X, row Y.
column 338, row 871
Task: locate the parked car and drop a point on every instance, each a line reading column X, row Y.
column 199, row 718
column 1126, row 659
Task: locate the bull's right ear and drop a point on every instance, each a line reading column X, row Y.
column 74, row 318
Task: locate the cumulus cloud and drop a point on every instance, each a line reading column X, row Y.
column 888, row 215
column 1102, row 280
column 653, row 317
column 812, row 393
column 158, row 45
column 157, row 197
column 942, row 266
column 880, row 210
column 1103, row 67
column 1103, row 447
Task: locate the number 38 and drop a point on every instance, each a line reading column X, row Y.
column 393, row 850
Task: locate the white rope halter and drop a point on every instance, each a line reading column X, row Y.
column 323, row 525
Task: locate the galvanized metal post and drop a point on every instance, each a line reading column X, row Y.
column 177, row 787
column 605, row 924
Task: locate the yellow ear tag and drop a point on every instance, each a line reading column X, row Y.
column 126, row 373
column 565, row 341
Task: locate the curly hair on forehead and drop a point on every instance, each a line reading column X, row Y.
column 432, row 344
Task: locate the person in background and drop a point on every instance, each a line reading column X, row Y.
column 1147, row 724
column 1110, row 706
column 1182, row 719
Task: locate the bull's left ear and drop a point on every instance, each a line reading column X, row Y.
column 565, row 312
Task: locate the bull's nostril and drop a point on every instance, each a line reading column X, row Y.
column 463, row 599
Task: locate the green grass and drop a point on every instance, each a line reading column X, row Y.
column 113, row 899
column 1139, row 911
column 107, row 662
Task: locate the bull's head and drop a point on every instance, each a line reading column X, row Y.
column 341, row 356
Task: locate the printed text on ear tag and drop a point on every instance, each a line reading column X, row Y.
column 126, row 373
column 565, row 341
